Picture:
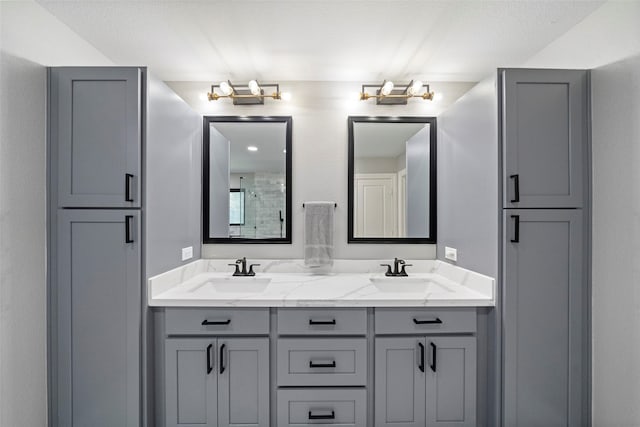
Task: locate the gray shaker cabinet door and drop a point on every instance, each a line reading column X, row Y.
column 243, row 382
column 191, row 382
column 543, row 300
column 544, row 131
column 451, row 381
column 400, row 382
column 98, row 319
column 96, row 135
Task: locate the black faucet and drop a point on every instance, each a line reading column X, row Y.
column 243, row 261
column 397, row 272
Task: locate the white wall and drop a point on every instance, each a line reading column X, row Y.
column 319, row 111
column 22, row 243
column 30, row 39
column 611, row 33
column 616, row 244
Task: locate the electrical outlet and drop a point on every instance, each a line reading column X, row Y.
column 187, row 253
column 451, row 253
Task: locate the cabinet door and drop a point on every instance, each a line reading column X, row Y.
column 451, row 381
column 190, row 375
column 400, row 382
column 98, row 318
column 96, row 135
column 543, row 300
column 243, row 382
column 544, row 125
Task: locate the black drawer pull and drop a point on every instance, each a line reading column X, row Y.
column 127, row 187
column 421, row 365
column 331, row 416
column 434, row 351
column 312, row 364
column 516, row 233
column 516, row 188
column 209, row 367
column 127, row 229
column 222, row 367
column 322, row 322
column 435, row 321
column 206, row 322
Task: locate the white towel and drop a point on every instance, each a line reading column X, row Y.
column 318, row 234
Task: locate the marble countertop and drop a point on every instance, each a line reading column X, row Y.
column 349, row 283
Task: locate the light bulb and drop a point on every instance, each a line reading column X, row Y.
column 226, row 88
column 437, row 96
column 254, row 87
column 415, row 87
column 252, row 148
column 386, row 88
column 285, row 96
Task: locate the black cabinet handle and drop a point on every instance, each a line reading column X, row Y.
column 127, row 229
column 421, row 364
column 206, row 322
column 435, row 321
column 127, row 187
column 322, row 322
column 222, row 367
column 312, row 364
column 434, row 350
column 330, row 416
column 209, row 367
column 516, row 188
column 516, row 234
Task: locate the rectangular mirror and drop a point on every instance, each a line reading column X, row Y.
column 246, row 179
column 392, row 180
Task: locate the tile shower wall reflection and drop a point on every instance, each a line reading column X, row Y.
column 264, row 205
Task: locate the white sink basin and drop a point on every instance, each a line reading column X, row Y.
column 407, row 284
column 234, row 285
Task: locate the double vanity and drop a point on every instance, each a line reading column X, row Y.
column 350, row 347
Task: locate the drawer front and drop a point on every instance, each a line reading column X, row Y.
column 322, row 362
column 321, row 321
column 425, row 320
column 343, row 407
column 217, row 321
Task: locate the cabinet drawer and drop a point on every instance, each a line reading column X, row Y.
column 425, row 320
column 322, row 362
column 344, row 407
column 322, row 321
column 216, row 321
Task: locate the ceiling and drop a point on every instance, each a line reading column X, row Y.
column 268, row 138
column 383, row 139
column 329, row 40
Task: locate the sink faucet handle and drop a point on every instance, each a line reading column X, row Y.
column 237, row 272
column 251, row 272
column 404, row 273
column 388, row 273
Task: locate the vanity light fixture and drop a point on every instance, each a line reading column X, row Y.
column 252, row 93
column 389, row 94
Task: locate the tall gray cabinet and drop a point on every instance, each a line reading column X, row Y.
column 95, row 248
column 545, row 161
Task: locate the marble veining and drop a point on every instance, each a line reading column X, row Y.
column 349, row 283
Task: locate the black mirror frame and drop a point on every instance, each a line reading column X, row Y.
column 432, row 179
column 207, row 120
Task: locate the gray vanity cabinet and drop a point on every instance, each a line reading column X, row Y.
column 217, row 382
column 544, row 128
column 425, row 381
column 191, row 382
column 400, row 382
column 96, row 125
column 97, row 306
column 544, row 297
